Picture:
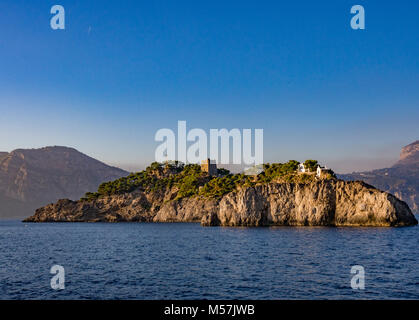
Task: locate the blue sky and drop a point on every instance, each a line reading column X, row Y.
column 121, row 70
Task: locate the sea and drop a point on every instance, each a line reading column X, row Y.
column 188, row 261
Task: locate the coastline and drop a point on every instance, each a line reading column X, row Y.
column 331, row 203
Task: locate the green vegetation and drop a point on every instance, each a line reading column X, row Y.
column 311, row 165
column 219, row 186
column 278, row 171
column 189, row 180
column 223, row 172
column 157, row 177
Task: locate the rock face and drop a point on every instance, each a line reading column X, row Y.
column 30, row 178
column 402, row 179
column 321, row 203
column 409, row 154
column 3, row 155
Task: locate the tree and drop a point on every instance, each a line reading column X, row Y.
column 222, row 171
column 311, row 165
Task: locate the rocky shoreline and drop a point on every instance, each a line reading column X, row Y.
column 319, row 203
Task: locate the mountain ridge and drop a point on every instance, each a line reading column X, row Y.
column 401, row 179
column 30, row 178
column 409, row 154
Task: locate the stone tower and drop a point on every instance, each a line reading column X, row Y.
column 209, row 166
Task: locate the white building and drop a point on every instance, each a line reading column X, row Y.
column 319, row 172
column 302, row 168
column 323, row 171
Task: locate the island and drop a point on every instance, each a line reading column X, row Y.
column 280, row 194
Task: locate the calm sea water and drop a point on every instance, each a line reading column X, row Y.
column 187, row 261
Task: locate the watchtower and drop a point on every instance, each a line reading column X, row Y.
column 209, row 166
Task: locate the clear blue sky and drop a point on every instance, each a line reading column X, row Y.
column 121, row 70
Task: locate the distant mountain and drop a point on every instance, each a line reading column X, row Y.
column 3, row 154
column 30, row 178
column 402, row 179
column 409, row 156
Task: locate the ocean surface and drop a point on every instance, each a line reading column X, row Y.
column 187, row 261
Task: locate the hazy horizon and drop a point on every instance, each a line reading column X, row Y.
column 357, row 164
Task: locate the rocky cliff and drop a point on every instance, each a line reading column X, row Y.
column 402, row 179
column 318, row 203
column 30, row 178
